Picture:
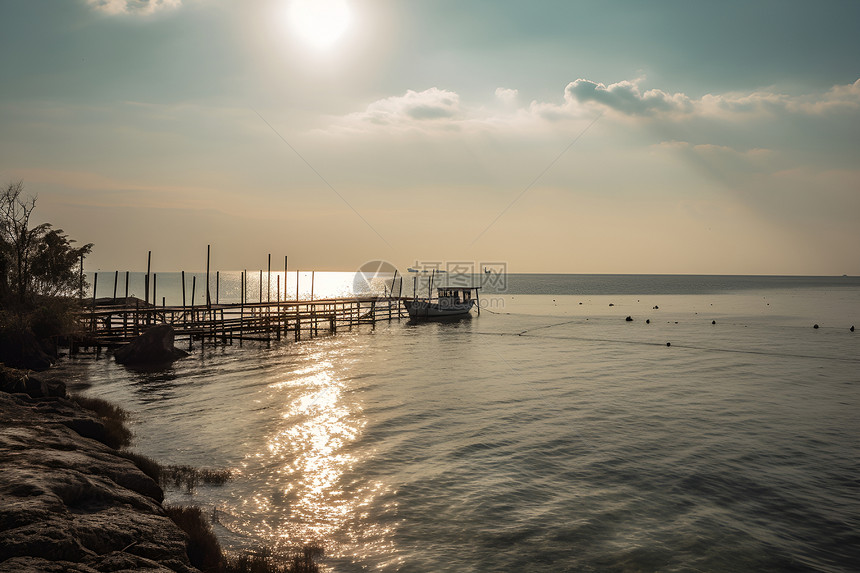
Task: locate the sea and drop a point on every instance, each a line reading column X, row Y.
column 580, row 423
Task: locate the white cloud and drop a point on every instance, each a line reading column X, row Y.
column 507, row 96
column 413, row 107
column 627, row 98
column 141, row 7
column 754, row 119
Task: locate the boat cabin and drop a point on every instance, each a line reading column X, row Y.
column 456, row 295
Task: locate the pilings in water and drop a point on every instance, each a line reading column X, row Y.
column 114, row 321
column 224, row 323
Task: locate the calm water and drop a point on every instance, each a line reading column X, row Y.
column 548, row 434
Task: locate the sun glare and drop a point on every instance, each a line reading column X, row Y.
column 319, row 22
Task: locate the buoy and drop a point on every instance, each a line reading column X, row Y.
column 611, row 304
column 656, row 307
column 713, row 322
column 668, row 344
column 851, row 329
column 648, row 321
column 629, row 319
column 814, row 326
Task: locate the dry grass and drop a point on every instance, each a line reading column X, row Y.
column 303, row 561
column 116, row 434
column 147, row 465
column 203, row 548
column 205, row 553
column 191, row 477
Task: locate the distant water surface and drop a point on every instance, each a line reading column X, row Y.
column 548, row 434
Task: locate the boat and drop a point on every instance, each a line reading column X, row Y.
column 450, row 302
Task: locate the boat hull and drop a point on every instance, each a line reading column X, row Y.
column 423, row 309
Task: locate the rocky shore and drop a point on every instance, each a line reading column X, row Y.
column 68, row 502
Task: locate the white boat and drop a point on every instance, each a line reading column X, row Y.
column 450, row 302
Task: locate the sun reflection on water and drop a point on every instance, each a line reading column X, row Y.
column 306, row 489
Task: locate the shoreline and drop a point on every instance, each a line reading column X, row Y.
column 69, row 501
column 73, row 499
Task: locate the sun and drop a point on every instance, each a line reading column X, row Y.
column 319, row 22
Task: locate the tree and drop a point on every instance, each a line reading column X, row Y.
column 16, row 236
column 53, row 264
column 34, row 262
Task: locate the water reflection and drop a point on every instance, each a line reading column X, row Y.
column 308, row 485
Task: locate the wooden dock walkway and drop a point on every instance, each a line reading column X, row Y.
column 114, row 322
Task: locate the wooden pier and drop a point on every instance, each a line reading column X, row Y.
column 112, row 322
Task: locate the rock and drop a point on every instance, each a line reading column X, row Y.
column 69, row 503
column 23, row 350
column 152, row 348
column 16, row 381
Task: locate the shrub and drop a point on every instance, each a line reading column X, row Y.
column 203, row 548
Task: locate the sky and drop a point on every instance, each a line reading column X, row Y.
column 566, row 136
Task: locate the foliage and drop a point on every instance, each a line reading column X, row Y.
column 34, row 262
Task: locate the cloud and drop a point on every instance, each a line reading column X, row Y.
column 810, row 122
column 413, row 107
column 507, row 96
column 136, row 7
column 627, row 98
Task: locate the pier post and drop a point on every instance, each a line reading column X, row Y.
column 193, row 288
column 208, row 299
column 241, row 307
column 95, row 285
column 146, row 282
column 154, row 290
